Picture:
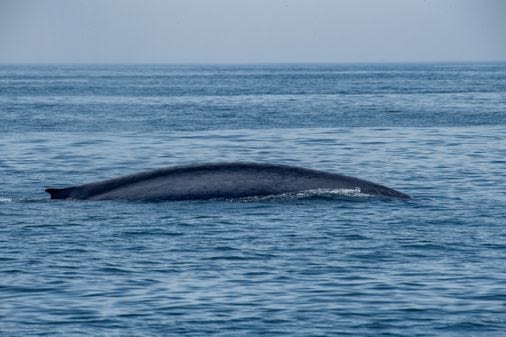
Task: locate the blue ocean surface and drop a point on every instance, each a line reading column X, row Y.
column 302, row 265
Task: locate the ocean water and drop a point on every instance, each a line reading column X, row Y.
column 302, row 265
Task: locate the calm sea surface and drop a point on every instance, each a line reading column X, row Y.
column 308, row 265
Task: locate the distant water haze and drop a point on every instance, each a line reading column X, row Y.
column 228, row 31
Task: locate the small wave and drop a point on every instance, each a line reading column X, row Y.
column 4, row 199
column 320, row 193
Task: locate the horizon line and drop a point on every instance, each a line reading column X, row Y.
column 259, row 62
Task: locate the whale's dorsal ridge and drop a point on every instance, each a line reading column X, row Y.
column 227, row 180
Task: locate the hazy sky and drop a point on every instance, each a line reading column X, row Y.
column 208, row 31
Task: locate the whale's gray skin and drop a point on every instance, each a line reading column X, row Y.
column 217, row 180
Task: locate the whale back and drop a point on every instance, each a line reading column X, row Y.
column 217, row 180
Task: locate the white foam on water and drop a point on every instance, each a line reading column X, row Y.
column 308, row 194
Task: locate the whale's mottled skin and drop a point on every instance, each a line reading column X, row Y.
column 217, row 180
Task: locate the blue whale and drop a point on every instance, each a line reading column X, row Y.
column 218, row 181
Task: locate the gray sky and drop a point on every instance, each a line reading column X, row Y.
column 209, row 31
